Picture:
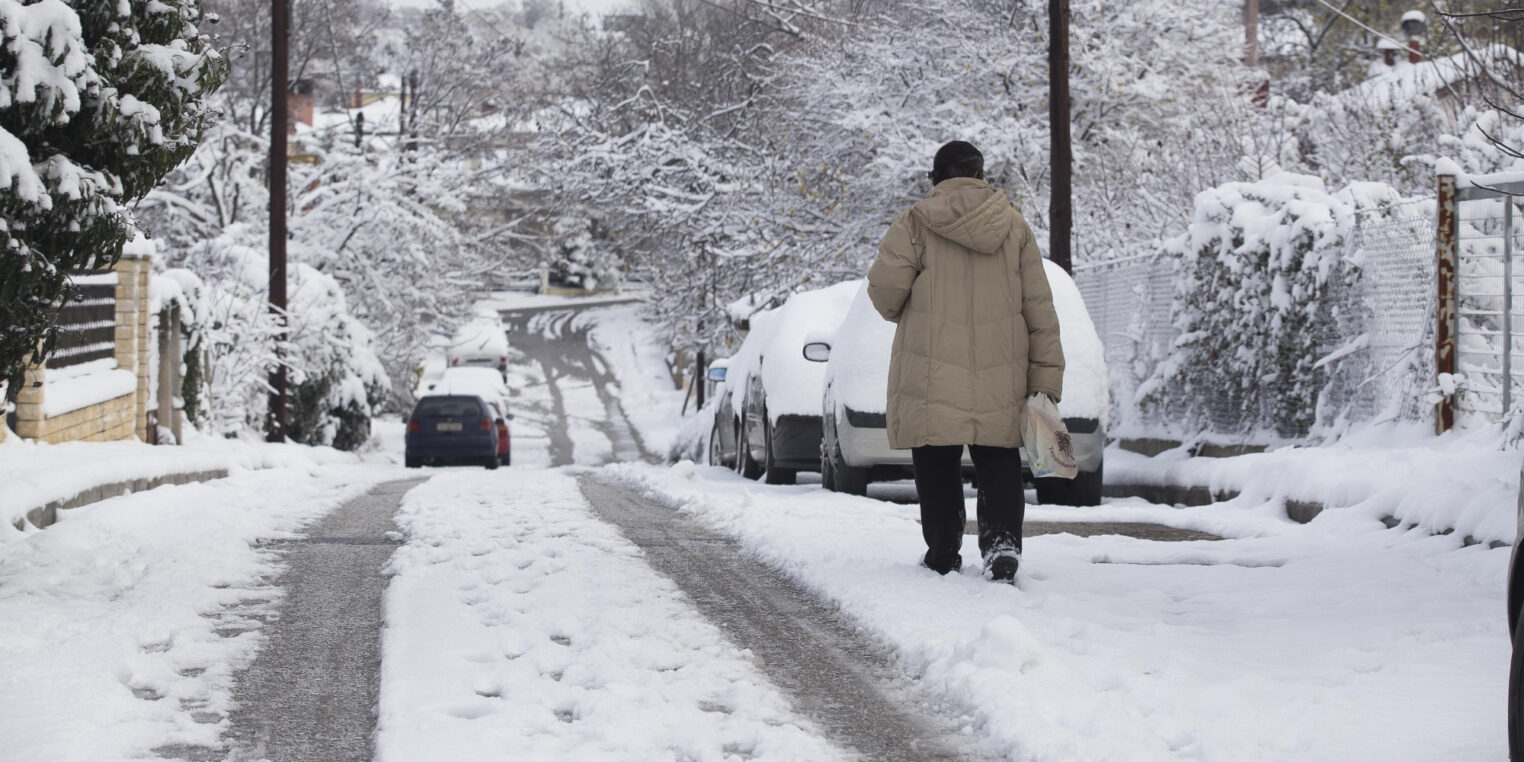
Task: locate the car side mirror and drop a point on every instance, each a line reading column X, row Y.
column 717, row 374
column 501, row 422
column 817, row 351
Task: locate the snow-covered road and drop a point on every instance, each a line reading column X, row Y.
column 530, row 616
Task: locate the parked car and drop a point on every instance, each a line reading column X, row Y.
column 722, row 438
column 855, row 449
column 482, row 342
column 772, row 423
column 487, row 384
column 1516, row 630
column 446, row 429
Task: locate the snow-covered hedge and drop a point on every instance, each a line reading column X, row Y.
column 335, row 380
column 1259, row 278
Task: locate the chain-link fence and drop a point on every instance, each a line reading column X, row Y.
column 1381, row 369
column 1391, row 317
column 1129, row 301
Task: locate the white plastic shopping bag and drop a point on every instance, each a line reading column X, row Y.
column 1049, row 450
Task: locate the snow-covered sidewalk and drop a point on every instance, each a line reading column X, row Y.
column 518, row 623
column 1466, row 483
column 1336, row 640
column 122, row 625
column 36, row 474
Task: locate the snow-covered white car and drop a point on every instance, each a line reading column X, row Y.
column 771, row 425
column 855, row 394
column 482, row 342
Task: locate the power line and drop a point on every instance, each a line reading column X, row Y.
column 1362, row 25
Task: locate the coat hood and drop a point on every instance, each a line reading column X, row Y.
column 968, row 212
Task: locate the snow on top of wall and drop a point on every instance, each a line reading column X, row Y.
column 860, row 351
column 140, row 246
column 69, row 394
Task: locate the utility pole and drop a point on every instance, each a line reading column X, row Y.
column 1251, row 33
column 280, row 22
column 1061, row 149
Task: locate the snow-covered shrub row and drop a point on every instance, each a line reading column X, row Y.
column 1264, row 302
column 336, row 382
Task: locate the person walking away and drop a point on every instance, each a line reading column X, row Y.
column 961, row 276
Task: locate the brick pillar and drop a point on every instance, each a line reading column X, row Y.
column 145, row 335
column 130, row 344
column 29, row 421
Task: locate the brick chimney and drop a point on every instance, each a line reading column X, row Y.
column 1414, row 24
column 301, row 104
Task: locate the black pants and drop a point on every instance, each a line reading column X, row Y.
column 1002, row 503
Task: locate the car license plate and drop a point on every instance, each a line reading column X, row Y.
column 447, row 426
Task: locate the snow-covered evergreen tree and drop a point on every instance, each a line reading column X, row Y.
column 98, row 101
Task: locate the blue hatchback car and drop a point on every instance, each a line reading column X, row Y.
column 452, row 429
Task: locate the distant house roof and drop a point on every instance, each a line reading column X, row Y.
column 1406, row 81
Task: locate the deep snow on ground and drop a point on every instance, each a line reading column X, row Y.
column 1462, row 482
column 519, row 624
column 122, row 625
column 1336, row 640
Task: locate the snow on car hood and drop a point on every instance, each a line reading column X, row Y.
column 859, row 368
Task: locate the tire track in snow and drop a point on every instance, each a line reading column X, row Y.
column 840, row 681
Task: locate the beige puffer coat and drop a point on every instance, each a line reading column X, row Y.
column 961, row 274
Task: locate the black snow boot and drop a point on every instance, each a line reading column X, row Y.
column 943, row 566
column 1003, row 567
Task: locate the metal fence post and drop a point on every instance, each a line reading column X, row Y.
column 1446, row 234
column 1507, row 305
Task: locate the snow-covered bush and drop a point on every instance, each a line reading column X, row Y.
column 336, row 381
column 1259, row 276
column 583, row 258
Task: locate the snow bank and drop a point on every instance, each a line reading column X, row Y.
column 1332, row 641
column 35, row 474
column 1466, row 483
column 122, row 626
column 518, row 623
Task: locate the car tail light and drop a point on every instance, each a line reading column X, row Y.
column 503, row 360
column 484, row 424
column 414, row 426
column 456, row 361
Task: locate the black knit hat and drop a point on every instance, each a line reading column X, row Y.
column 956, row 159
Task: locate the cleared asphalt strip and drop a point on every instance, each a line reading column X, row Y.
column 311, row 692
column 836, row 678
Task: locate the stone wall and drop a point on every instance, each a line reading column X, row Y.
column 122, row 417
